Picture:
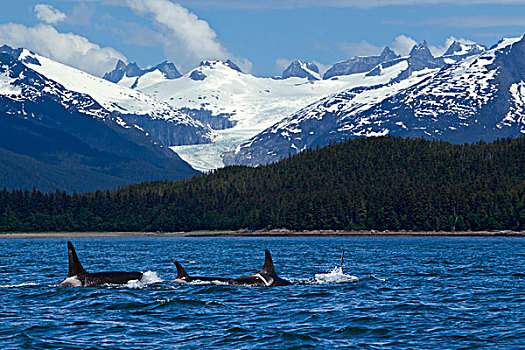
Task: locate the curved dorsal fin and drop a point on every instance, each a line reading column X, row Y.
column 75, row 267
column 181, row 273
column 268, row 263
column 342, row 257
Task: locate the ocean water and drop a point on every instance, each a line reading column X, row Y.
column 393, row 293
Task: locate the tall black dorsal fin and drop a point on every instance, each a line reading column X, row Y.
column 268, row 263
column 181, row 273
column 75, row 267
column 342, row 258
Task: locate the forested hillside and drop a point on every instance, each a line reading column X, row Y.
column 377, row 183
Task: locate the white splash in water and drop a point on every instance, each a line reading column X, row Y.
column 148, row 277
column 151, row 277
column 335, row 276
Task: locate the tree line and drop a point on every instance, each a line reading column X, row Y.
column 384, row 183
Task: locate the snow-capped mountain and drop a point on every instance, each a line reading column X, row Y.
column 57, row 135
column 359, row 64
column 480, row 97
column 458, row 50
column 302, row 69
column 130, row 75
column 238, row 105
column 170, row 125
column 419, row 58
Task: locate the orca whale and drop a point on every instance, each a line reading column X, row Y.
column 267, row 277
column 77, row 276
column 183, row 277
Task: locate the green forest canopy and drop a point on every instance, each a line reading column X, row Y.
column 381, row 183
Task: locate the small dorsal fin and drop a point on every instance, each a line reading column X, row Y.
column 342, row 258
column 181, row 273
column 75, row 267
column 268, row 263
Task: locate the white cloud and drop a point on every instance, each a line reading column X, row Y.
column 322, row 67
column 403, row 44
column 49, row 14
column 281, row 64
column 67, row 48
column 186, row 39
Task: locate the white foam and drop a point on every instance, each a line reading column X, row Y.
column 216, row 283
column 335, row 276
column 148, row 277
column 151, row 277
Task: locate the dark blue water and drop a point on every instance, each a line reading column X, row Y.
column 416, row 293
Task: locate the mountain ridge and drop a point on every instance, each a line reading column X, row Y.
column 48, row 127
column 466, row 101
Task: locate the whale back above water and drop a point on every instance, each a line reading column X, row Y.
column 183, row 277
column 78, row 276
column 267, row 277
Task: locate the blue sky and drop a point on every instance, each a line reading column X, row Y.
column 261, row 36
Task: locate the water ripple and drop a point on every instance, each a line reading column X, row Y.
column 407, row 293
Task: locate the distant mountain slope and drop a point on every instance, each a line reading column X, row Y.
column 53, row 137
column 167, row 123
column 459, row 50
column 237, row 105
column 240, row 105
column 480, row 97
column 359, row 64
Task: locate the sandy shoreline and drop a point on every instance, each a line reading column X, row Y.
column 271, row 233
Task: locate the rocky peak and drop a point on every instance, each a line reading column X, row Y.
column 454, row 48
column 420, row 58
column 169, row 70
column 387, row 54
column 121, row 65
column 213, row 64
column 233, row 66
column 421, row 50
column 7, row 50
column 132, row 70
column 360, row 64
column 460, row 50
column 302, row 69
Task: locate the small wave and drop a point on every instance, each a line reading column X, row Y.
column 377, row 278
column 18, row 285
column 148, row 277
column 335, row 276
